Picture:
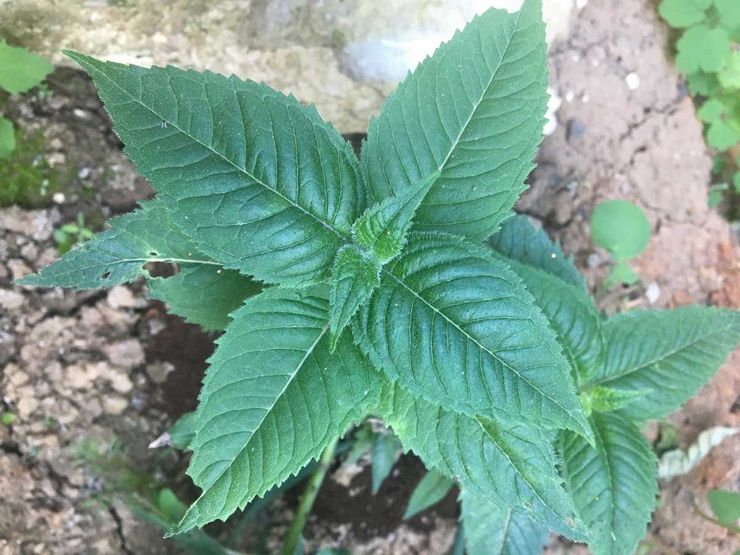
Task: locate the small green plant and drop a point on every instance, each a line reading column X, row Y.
column 69, row 235
column 726, row 508
column 621, row 228
column 20, row 71
column 707, row 54
column 384, row 294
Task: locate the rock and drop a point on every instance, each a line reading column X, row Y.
column 158, row 371
column 11, row 301
column 126, row 354
column 18, row 268
column 121, row 296
column 7, row 347
column 36, row 224
column 114, row 404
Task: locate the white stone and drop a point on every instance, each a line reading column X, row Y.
column 632, row 80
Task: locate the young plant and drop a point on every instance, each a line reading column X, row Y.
column 380, row 297
column 20, row 71
column 621, row 228
column 708, row 55
column 69, row 235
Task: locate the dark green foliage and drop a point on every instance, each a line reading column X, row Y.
column 379, row 297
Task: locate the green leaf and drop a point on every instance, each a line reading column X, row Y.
column 354, row 277
column 119, row 254
column 520, row 240
column 491, row 530
column 725, row 506
column 572, row 316
column 260, row 182
column 7, row 138
column 620, row 227
column 683, row 13
column 702, row 48
column 506, row 462
column 669, row 353
column 473, row 112
column 386, row 450
column 21, row 70
column 182, row 431
column 701, row 83
column 457, row 327
column 614, row 485
column 722, row 136
column 711, row 110
column 605, row 399
column 203, row 294
column 201, row 291
column 729, row 75
column 729, row 13
column 383, row 227
column 272, row 400
column 432, row 488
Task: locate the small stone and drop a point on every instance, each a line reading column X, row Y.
column 18, row 268
column 114, row 405
column 26, row 403
column 58, row 198
column 574, row 130
column 633, row 81
column 653, row 292
column 158, row 371
column 30, row 252
column 84, row 172
column 122, row 297
column 125, row 354
column 10, row 301
column 81, row 377
column 121, row 383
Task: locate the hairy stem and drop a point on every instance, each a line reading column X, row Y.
column 307, row 500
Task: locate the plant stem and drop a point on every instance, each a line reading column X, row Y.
column 308, row 498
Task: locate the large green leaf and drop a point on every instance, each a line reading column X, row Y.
column 473, row 112
column 491, row 530
column 506, row 462
column 458, row 327
column 202, row 291
column 21, row 70
column 572, row 315
column 272, row 400
column 666, row 354
column 260, row 182
column 614, row 485
column 520, row 240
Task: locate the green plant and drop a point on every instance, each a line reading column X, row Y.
column 20, row 71
column 623, row 229
column 380, row 297
column 726, row 508
column 69, row 235
column 708, row 54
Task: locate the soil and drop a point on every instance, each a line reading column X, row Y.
column 85, row 371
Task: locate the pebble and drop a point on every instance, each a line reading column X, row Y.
column 633, row 81
column 10, row 300
column 653, row 292
column 125, row 354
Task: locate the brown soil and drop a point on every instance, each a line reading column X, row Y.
column 112, row 365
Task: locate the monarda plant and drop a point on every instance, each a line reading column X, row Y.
column 399, row 285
